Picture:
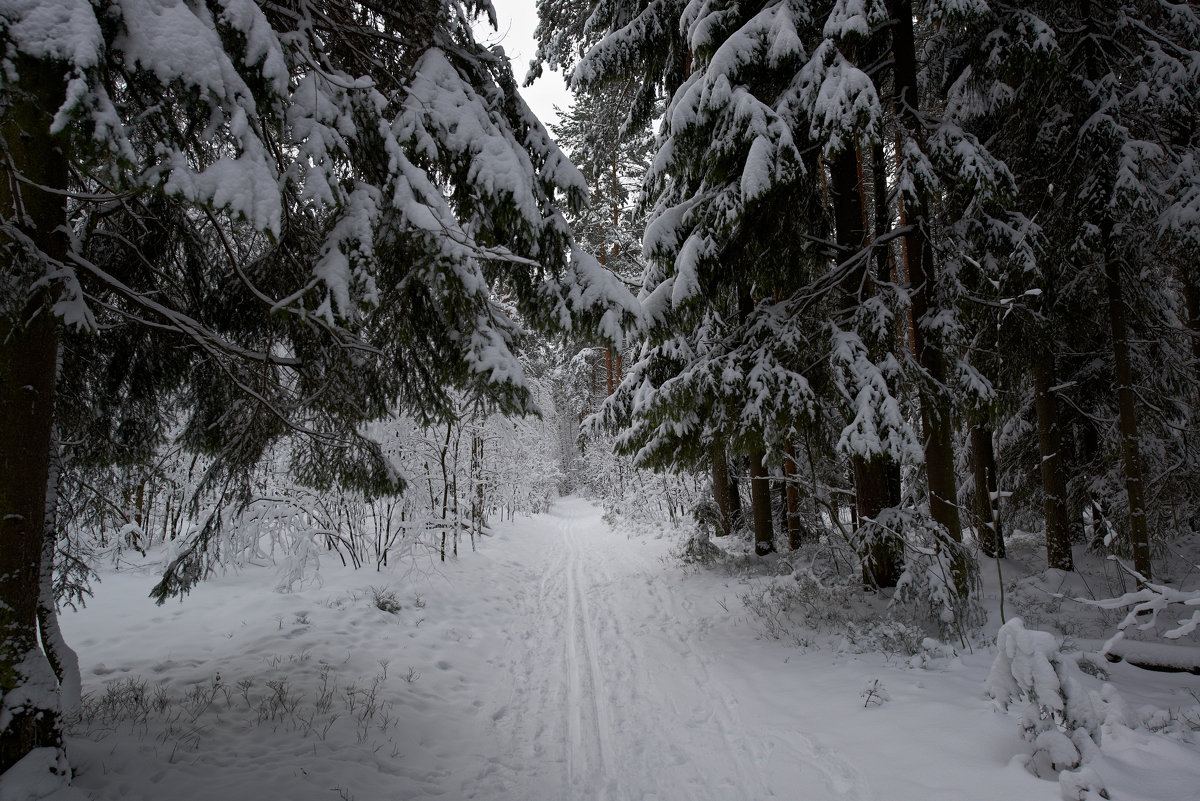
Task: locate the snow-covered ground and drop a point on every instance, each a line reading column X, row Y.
column 562, row 660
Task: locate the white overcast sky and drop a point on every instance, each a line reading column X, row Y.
column 517, row 19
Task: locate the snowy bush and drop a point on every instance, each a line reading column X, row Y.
column 782, row 605
column 926, row 593
column 1063, row 719
column 384, row 599
column 874, row 694
column 698, row 549
column 889, row 636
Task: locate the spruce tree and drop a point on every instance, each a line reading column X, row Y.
column 250, row 223
column 1109, row 87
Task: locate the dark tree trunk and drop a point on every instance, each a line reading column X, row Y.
column 1139, row 536
column 608, row 371
column 62, row 658
column 737, row 515
column 880, row 553
column 792, row 500
column 987, row 503
column 720, row 484
column 1090, row 448
column 1054, row 482
column 28, row 361
column 1127, row 425
column 936, row 414
column 1191, row 299
column 760, row 502
column 780, row 504
column 1071, row 465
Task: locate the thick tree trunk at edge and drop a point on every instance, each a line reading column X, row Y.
column 28, row 362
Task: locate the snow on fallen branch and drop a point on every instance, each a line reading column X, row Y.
column 1144, row 607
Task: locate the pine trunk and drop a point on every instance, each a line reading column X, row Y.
column 792, row 501
column 936, row 413
column 720, row 485
column 1127, row 425
column 737, row 515
column 1139, row 536
column 760, row 502
column 1054, row 482
column 28, row 361
column 987, row 501
column 880, row 553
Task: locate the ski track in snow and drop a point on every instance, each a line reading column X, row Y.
column 613, row 692
column 564, row 661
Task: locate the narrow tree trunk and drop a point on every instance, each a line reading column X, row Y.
column 1139, row 536
column 1091, row 448
column 737, row 515
column 781, row 516
column 936, row 414
column 987, row 504
column 720, row 485
column 760, row 501
column 28, row 359
column 1071, row 464
column 1054, row 484
column 884, row 267
column 794, row 531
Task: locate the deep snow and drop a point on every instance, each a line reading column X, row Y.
column 562, row 660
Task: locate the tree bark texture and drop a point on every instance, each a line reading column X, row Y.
column 1054, row 481
column 62, row 658
column 1127, row 425
column 760, row 503
column 987, row 502
column 1139, row 535
column 720, row 484
column 880, row 553
column 792, row 501
column 936, row 415
column 28, row 362
column 737, row 515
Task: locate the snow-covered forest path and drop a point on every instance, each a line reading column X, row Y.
column 562, row 660
column 613, row 694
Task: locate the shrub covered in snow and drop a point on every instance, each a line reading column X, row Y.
column 926, row 593
column 1064, row 719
